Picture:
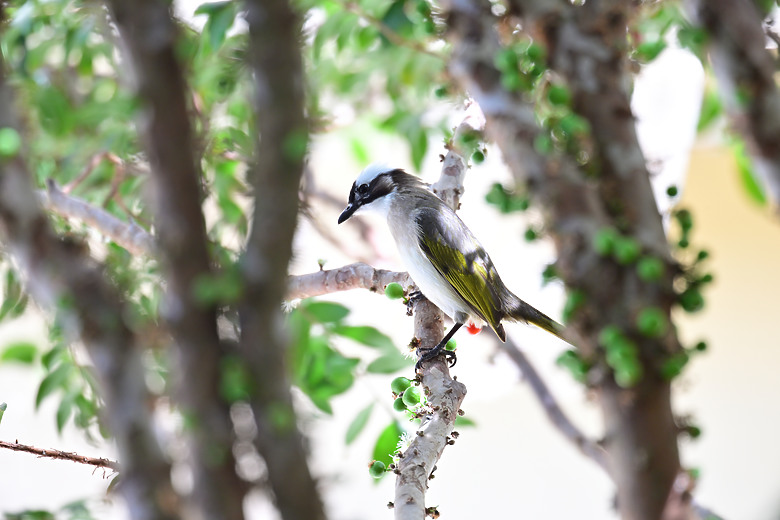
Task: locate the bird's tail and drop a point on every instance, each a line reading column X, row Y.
column 518, row 310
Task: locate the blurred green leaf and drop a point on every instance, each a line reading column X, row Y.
column 387, row 443
column 64, row 410
column 221, row 16
column 3, row 408
column 365, row 335
column 358, row 423
column 389, row 363
column 55, row 380
column 711, row 109
column 21, row 352
column 325, row 312
column 747, row 174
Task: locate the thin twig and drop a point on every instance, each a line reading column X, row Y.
column 550, row 405
column 129, row 235
column 99, row 462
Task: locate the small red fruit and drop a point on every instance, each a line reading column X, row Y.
column 473, row 329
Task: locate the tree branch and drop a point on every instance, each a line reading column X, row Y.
column 445, row 396
column 62, row 455
column 129, row 235
column 551, row 407
column 585, row 44
column 746, row 76
column 352, row 276
column 149, row 34
column 275, row 60
column 680, row 504
column 92, row 310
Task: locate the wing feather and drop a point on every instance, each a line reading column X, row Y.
column 458, row 256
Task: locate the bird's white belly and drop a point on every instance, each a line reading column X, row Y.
column 432, row 284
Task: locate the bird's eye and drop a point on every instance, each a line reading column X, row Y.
column 362, row 189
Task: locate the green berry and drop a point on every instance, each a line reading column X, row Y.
column 701, row 346
column 685, row 219
column 683, row 243
column 626, row 250
column 530, row 235
column 394, row 291
column 399, row 384
column 399, row 405
column 377, row 469
column 707, row 278
column 629, row 373
column 535, row 52
column 478, row 157
column 451, row 345
column 440, row 92
column 10, row 142
column 609, row 335
column 672, row 191
column 702, row 255
column 650, row 269
column 674, row 365
column 652, row 322
column 604, row 241
column 559, row 95
column 691, row 300
column 412, row 396
column 506, row 60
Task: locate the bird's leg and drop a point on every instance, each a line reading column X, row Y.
column 435, row 351
column 413, row 299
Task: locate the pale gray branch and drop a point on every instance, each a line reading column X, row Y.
column 352, row 276
column 445, row 396
column 129, row 235
column 551, row 407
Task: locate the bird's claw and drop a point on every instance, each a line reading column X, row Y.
column 449, row 355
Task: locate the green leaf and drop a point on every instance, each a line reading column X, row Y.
column 221, row 16
column 358, row 423
column 464, row 421
column 711, row 109
column 648, row 51
column 3, row 408
column 53, row 381
column 325, row 312
column 418, row 141
column 64, row 410
column 389, row 363
column 747, row 174
column 365, row 335
column 387, row 443
column 359, row 151
column 21, row 352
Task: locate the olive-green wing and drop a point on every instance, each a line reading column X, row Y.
column 458, row 256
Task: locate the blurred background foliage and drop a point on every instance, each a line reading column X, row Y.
column 376, row 65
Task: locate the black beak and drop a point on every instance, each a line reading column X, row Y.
column 348, row 211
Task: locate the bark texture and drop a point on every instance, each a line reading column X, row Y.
column 149, row 34
column 275, row 58
column 62, row 276
column 586, row 46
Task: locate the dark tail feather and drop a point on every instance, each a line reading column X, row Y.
column 521, row 311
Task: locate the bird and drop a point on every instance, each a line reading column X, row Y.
column 443, row 257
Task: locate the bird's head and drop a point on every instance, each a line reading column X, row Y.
column 374, row 190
